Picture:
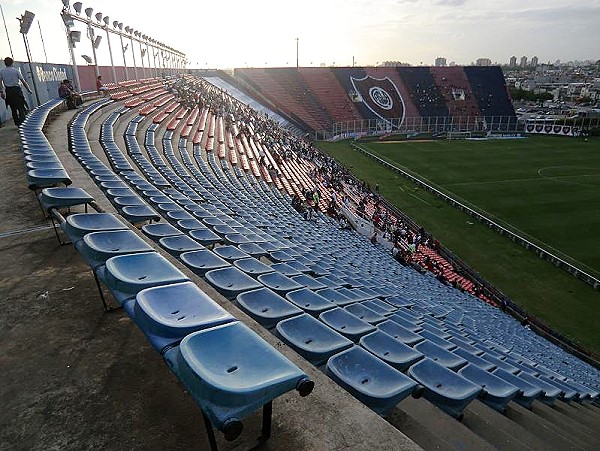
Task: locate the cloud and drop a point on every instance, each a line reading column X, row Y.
column 450, row 2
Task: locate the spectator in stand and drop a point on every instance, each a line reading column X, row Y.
column 67, row 92
column 10, row 90
column 100, row 86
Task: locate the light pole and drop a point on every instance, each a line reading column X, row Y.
column 106, row 21
column 25, row 22
column 73, row 37
column 119, row 25
column 297, row 40
column 130, row 31
column 95, row 40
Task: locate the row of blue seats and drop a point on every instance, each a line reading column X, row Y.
column 179, row 319
column 43, row 166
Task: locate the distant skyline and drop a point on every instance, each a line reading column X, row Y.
column 262, row 33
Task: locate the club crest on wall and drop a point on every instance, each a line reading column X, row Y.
column 381, row 96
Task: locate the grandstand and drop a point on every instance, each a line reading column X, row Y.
column 182, row 212
column 430, row 99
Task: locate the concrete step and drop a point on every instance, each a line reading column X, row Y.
column 547, row 431
column 501, row 431
column 440, row 427
column 568, row 424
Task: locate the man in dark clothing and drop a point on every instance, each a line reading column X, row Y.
column 10, row 90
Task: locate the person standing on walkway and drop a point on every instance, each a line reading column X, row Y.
column 10, row 90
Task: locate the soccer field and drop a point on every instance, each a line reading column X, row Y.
column 546, row 187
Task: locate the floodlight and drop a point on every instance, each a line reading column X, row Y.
column 143, row 52
column 97, row 42
column 77, row 7
column 120, row 26
column 128, row 29
column 88, row 12
column 75, row 36
column 66, row 3
column 67, row 19
column 87, row 59
column 98, row 16
column 26, row 20
column 106, row 20
column 115, row 24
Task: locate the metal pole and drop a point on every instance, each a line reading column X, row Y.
column 43, row 43
column 124, row 60
column 297, row 65
column 73, row 63
column 133, row 53
column 7, row 36
column 112, row 63
column 37, row 96
column 142, row 60
column 91, row 36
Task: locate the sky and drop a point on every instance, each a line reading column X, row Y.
column 263, row 33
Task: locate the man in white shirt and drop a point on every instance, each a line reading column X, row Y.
column 10, row 90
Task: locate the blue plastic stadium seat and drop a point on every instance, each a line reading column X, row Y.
column 473, row 359
column 80, row 224
column 440, row 355
column 167, row 313
column 346, row 323
column 380, row 306
column 309, row 301
column 178, row 244
column 43, row 178
column 252, row 266
column 465, row 345
column 550, row 392
column 371, row 381
column 203, row 260
column 408, row 325
column 127, row 275
column 230, row 253
column 443, row 387
column 205, row 236
column 230, row 382
column 496, row 392
column 278, row 282
column 499, row 363
column 160, row 230
column 252, row 249
column 335, row 296
column 528, row 392
column 266, row 306
column 399, row 333
column 310, row 338
column 399, row 301
column 63, row 197
column 390, row 350
column 308, row 282
column 365, row 313
column 97, row 247
column 434, row 338
column 231, row 281
column 138, row 214
column 285, row 269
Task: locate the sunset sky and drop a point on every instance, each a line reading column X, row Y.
column 225, row 34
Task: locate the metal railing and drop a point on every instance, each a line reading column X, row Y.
column 501, row 299
column 541, row 252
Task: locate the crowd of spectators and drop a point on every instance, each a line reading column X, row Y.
column 325, row 175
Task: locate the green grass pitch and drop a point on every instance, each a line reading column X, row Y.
column 544, row 188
